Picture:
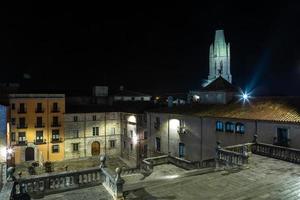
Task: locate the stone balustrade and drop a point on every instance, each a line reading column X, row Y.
column 240, row 148
column 41, row 185
column 231, row 157
column 277, row 152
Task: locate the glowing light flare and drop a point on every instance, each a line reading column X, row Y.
column 3, row 152
column 245, row 96
column 132, row 119
column 174, row 123
column 134, row 139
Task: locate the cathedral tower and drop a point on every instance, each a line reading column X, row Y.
column 219, row 58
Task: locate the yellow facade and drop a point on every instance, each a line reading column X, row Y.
column 37, row 127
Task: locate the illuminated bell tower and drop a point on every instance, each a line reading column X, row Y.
column 219, row 58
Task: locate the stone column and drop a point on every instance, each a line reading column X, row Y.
column 119, row 182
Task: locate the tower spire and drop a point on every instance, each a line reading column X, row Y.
column 219, row 58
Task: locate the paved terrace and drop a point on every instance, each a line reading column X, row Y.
column 263, row 178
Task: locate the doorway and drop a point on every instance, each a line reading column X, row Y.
column 95, row 148
column 29, row 154
column 282, row 137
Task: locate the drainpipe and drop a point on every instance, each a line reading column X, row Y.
column 84, row 134
column 201, row 148
column 169, row 135
column 48, row 122
column 105, row 133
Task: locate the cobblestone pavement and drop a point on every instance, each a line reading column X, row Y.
column 265, row 178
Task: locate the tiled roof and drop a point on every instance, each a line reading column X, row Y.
column 220, row 84
column 283, row 109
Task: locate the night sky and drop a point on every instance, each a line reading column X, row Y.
column 149, row 47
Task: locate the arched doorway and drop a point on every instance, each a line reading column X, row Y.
column 95, row 148
column 29, row 154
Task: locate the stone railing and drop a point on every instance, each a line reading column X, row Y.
column 149, row 163
column 41, row 185
column 231, row 158
column 277, row 152
column 240, row 148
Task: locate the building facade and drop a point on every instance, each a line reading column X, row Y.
column 37, row 127
column 103, row 133
column 192, row 133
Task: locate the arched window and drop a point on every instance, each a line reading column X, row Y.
column 219, row 126
column 240, row 128
column 229, row 127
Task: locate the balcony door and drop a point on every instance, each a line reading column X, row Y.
column 95, row 148
column 29, row 154
column 282, row 136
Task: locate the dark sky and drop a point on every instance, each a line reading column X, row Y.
column 150, row 46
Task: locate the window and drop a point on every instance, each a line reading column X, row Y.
column 132, row 98
column 94, row 117
column 22, row 108
column 112, row 131
column 55, row 107
column 157, row 143
column 22, row 136
column 240, row 128
column 219, row 126
column 181, row 123
column 13, row 106
column 13, row 136
column 95, row 131
column 145, row 135
column 157, row 123
column 13, row 121
column 55, row 148
column 75, row 146
column 142, row 98
column 39, row 136
column 39, row 107
column 22, row 122
column 125, row 132
column 181, row 150
column 112, row 143
column 75, row 118
column 124, row 144
column 39, row 122
column 229, row 127
column 131, row 133
column 75, row 133
column 131, row 147
column 55, row 135
column 55, row 121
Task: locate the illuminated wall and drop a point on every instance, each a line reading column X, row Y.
column 109, row 131
column 42, row 151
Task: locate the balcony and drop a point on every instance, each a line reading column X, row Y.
column 40, row 125
column 22, row 111
column 21, row 126
column 56, row 124
column 40, row 141
column 182, row 130
column 156, row 125
column 57, row 140
column 39, row 110
column 21, row 143
column 55, row 110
